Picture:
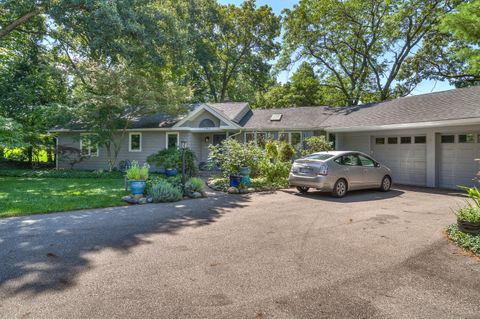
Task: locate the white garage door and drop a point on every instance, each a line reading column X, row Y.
column 457, row 165
column 405, row 156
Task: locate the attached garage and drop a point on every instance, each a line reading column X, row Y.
column 457, row 165
column 406, row 156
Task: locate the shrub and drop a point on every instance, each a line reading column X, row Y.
column 137, row 172
column 315, row 144
column 175, row 181
column 474, row 194
column 230, row 155
column 163, row 192
column 469, row 214
column 193, row 185
column 271, row 150
column 276, row 172
column 172, row 158
column 467, row 241
column 286, row 152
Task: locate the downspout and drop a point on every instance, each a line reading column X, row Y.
column 56, row 152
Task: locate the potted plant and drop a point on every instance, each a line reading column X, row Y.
column 137, row 177
column 169, row 159
column 468, row 219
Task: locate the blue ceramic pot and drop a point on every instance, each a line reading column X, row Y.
column 137, row 187
column 245, row 171
column 171, row 172
column 235, row 180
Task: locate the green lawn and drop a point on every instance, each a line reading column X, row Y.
column 26, row 196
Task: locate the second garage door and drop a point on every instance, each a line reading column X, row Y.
column 405, row 156
column 457, row 165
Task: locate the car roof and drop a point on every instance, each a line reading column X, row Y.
column 337, row 153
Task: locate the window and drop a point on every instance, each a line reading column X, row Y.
column 135, row 142
column 406, row 140
column 447, row 139
column 206, row 123
column 368, row 162
column 88, row 145
column 466, row 138
column 261, row 139
column 420, row 139
column 283, row 137
column 380, row 140
column 276, row 117
column 319, row 157
column 350, row 160
column 295, row 138
column 249, row 137
column 172, row 140
column 393, row 140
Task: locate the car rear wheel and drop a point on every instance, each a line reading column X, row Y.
column 340, row 188
column 386, row 184
column 303, row 189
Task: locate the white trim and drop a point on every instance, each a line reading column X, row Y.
column 97, row 154
column 130, row 141
column 419, row 125
column 172, row 133
column 195, row 113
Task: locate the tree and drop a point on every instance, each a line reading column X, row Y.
column 364, row 49
column 231, row 46
column 11, row 134
column 457, row 56
column 303, row 89
column 116, row 97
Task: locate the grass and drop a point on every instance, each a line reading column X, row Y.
column 464, row 240
column 20, row 196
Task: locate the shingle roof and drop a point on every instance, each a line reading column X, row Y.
column 292, row 118
column 447, row 105
column 234, row 111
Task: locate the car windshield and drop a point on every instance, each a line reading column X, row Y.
column 319, row 157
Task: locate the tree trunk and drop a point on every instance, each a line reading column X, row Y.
column 30, row 156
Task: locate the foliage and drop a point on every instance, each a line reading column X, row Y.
column 259, row 183
column 464, row 240
column 373, row 59
column 315, row 144
column 231, row 46
column 172, row 158
column 11, row 134
column 230, row 155
column 28, row 196
column 286, row 152
column 163, row 191
column 464, row 25
column 474, row 194
column 119, row 96
column 469, row 214
column 271, row 149
column 193, row 185
column 137, row 172
column 276, row 173
column 175, row 181
column 303, row 89
column 73, row 174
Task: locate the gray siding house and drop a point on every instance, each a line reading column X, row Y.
column 428, row 140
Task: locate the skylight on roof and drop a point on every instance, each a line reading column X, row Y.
column 276, row 117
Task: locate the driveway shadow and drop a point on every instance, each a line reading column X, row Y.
column 351, row 197
column 47, row 252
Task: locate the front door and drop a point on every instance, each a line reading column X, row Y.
column 219, row 138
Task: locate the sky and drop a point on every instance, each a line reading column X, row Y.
column 426, row 86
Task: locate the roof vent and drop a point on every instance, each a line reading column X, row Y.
column 276, row 117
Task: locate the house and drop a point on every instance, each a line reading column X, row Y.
column 427, row 140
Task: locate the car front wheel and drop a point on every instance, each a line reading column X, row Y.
column 386, row 184
column 303, row 189
column 340, row 188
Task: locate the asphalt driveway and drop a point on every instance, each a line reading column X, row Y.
column 279, row 255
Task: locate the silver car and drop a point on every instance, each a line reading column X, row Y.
column 339, row 172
